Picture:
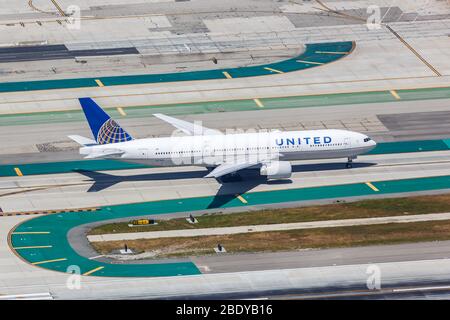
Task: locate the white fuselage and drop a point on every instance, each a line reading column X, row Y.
column 213, row 150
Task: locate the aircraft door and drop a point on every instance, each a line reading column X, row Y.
column 208, row 153
column 143, row 153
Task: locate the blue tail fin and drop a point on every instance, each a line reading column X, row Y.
column 104, row 129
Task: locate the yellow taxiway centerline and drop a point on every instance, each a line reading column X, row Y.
column 121, row 111
column 32, row 247
column 48, row 261
column 371, row 186
column 273, row 70
column 241, row 198
column 61, row 11
column 395, row 94
column 32, row 232
column 258, row 103
column 227, row 75
column 310, row 62
column 92, row 271
column 332, row 52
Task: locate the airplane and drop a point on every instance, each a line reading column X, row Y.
column 223, row 154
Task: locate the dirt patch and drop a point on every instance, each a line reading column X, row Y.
column 360, row 209
column 287, row 240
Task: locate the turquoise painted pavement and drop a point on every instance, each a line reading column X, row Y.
column 411, row 146
column 43, row 242
column 105, row 165
column 67, row 166
column 316, row 54
column 447, row 142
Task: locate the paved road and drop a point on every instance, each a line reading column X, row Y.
column 324, row 257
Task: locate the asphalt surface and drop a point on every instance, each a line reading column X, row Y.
column 417, row 124
column 310, row 258
column 53, row 52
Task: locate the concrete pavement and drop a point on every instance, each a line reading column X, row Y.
column 91, row 189
column 43, row 137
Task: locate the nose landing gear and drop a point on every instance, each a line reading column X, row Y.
column 349, row 163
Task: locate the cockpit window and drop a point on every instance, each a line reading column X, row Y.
column 367, row 139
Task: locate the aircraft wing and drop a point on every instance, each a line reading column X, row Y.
column 239, row 164
column 227, row 168
column 188, row 127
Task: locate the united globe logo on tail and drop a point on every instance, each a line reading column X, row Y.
column 111, row 132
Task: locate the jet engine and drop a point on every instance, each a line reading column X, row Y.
column 276, row 170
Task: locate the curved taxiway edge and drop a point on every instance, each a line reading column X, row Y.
column 315, row 55
column 43, row 241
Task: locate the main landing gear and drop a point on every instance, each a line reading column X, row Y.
column 349, row 163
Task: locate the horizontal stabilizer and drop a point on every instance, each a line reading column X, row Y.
column 83, row 140
column 105, row 154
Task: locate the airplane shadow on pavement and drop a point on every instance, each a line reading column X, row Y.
column 231, row 185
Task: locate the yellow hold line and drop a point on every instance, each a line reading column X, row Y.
column 92, row 271
column 99, row 83
column 332, row 52
column 241, row 199
column 395, row 94
column 32, row 247
column 49, row 261
column 18, row 172
column 32, row 232
column 371, row 186
column 273, row 70
column 61, row 11
column 310, row 62
column 258, row 103
column 121, row 111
